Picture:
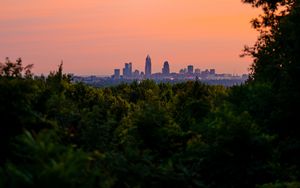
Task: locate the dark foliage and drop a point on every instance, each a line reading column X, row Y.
column 56, row 133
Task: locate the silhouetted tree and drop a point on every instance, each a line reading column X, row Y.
column 11, row 69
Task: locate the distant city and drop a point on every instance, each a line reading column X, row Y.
column 208, row 76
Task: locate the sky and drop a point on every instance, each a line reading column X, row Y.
column 93, row 37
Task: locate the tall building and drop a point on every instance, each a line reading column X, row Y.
column 166, row 68
column 130, row 69
column 124, row 72
column 117, row 74
column 190, row 69
column 127, row 70
column 212, row 71
column 148, row 67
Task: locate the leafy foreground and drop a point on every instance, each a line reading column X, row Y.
column 56, row 133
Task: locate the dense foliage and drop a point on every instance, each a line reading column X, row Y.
column 57, row 133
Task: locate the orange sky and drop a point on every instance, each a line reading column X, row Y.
column 96, row 36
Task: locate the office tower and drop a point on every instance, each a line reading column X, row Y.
column 117, row 74
column 166, row 68
column 124, row 72
column 148, row 67
column 127, row 70
column 212, row 71
column 130, row 69
column 190, row 69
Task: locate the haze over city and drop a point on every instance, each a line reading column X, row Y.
column 96, row 36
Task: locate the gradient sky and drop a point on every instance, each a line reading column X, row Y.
column 96, row 36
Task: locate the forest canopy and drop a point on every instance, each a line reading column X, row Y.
column 58, row 133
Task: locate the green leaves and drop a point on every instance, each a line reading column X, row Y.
column 56, row 133
column 41, row 161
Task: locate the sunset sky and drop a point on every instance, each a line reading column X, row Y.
column 96, row 36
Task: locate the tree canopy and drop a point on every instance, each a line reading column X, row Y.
column 55, row 132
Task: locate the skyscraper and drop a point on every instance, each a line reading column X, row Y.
column 148, row 67
column 127, row 70
column 166, row 68
column 190, row 69
column 130, row 69
column 117, row 74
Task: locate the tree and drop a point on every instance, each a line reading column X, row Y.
column 276, row 58
column 41, row 161
column 277, row 65
column 275, row 53
column 11, row 69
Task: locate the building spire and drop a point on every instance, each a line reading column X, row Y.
column 148, row 67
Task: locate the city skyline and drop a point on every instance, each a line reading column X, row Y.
column 129, row 72
column 94, row 37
